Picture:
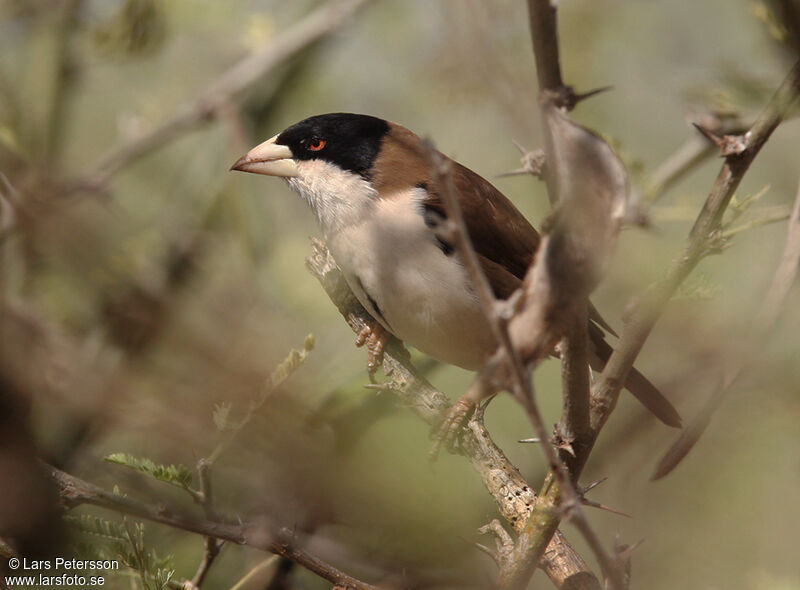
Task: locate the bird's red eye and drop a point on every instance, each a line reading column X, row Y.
column 316, row 144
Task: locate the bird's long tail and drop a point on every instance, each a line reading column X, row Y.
column 647, row 393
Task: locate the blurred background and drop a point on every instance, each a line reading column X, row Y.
column 145, row 304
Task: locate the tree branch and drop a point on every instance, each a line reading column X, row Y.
column 75, row 492
column 644, row 316
column 542, row 18
column 765, row 319
column 691, row 153
column 211, row 547
column 234, row 81
column 575, row 427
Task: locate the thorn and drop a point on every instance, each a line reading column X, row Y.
column 729, row 145
column 519, row 146
column 582, row 490
column 566, row 446
column 562, row 440
column 530, row 440
column 564, row 97
column 709, row 135
column 624, row 551
column 376, row 386
column 593, row 504
column 592, row 485
column 482, row 407
column 515, row 172
column 533, row 162
column 590, row 93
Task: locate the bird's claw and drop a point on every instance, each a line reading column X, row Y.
column 375, row 337
column 447, row 433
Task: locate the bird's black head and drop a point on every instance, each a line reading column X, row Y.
column 350, row 141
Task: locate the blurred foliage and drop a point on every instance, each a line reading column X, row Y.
column 123, row 542
column 136, row 28
column 149, row 315
column 177, row 475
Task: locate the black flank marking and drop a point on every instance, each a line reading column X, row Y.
column 422, row 185
column 432, row 218
column 445, row 247
column 373, row 303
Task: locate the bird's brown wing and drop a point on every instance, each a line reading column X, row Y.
column 503, row 239
column 506, row 244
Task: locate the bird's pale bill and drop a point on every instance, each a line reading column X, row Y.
column 269, row 158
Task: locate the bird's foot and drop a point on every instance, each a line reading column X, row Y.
column 447, row 433
column 375, row 337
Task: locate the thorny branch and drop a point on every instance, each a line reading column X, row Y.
column 558, row 488
column 739, row 153
column 695, row 150
column 512, row 494
column 522, row 387
column 641, row 320
column 542, row 15
column 764, row 320
column 75, row 492
column 555, row 497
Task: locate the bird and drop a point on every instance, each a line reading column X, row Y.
column 369, row 183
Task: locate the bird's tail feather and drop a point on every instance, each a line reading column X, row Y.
column 647, row 393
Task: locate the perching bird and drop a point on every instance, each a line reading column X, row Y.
column 370, row 186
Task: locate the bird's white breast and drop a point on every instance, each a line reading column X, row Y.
column 397, row 270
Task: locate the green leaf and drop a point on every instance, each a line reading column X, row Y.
column 123, row 541
column 98, row 527
column 177, row 475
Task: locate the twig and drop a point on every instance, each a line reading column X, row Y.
column 691, row 153
column 512, row 494
column 204, row 497
column 575, row 427
column 74, row 492
column 263, row 565
column 544, row 35
column 233, row 82
column 782, row 281
column 211, row 547
column 695, row 150
column 285, row 370
column 766, row 218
